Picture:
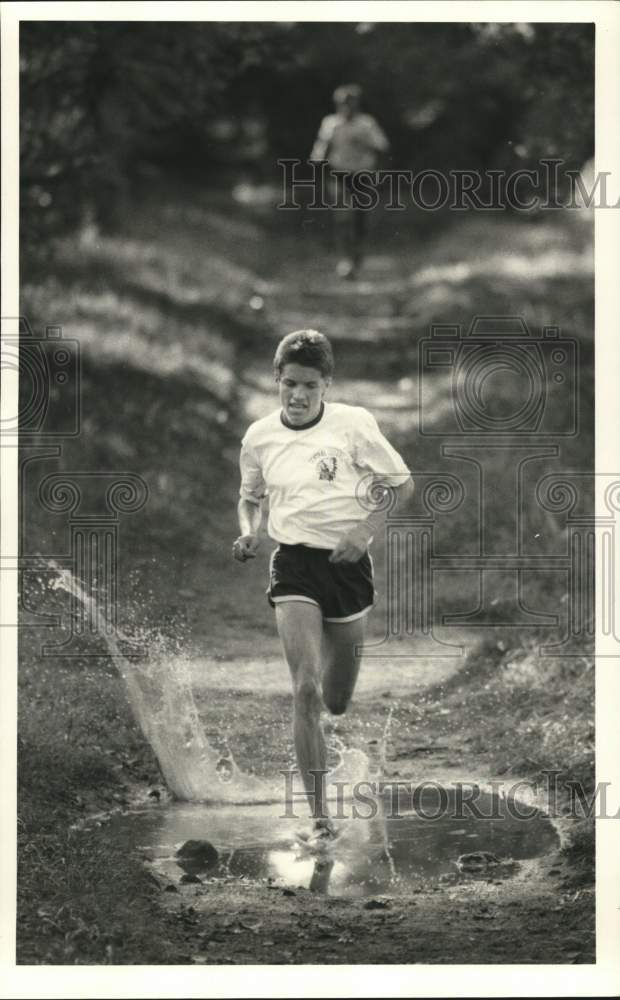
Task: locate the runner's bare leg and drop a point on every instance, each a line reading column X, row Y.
column 342, row 664
column 300, row 626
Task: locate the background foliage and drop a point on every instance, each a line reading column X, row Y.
column 102, row 102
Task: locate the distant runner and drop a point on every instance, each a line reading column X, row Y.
column 350, row 141
column 312, row 458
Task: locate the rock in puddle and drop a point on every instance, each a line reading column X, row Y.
column 377, row 904
column 196, row 857
column 198, row 852
column 477, row 861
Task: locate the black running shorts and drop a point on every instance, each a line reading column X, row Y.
column 343, row 591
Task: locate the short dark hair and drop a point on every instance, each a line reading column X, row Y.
column 347, row 91
column 305, row 347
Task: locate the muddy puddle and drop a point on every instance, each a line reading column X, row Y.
column 396, row 844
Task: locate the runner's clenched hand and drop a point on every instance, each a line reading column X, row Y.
column 245, row 547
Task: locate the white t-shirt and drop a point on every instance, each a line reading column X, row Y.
column 349, row 143
column 313, row 476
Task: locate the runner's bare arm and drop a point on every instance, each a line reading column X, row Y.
column 320, row 150
column 250, row 516
column 354, row 544
column 377, row 138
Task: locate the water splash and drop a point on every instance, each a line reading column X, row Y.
column 161, row 697
column 159, row 691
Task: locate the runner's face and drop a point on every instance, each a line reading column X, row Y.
column 301, row 392
column 349, row 107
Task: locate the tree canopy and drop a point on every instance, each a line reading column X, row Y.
column 100, row 99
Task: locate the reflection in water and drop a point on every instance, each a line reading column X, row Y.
column 406, row 843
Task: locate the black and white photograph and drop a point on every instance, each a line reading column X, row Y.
column 313, row 554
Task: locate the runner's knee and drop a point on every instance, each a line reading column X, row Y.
column 335, row 703
column 308, row 696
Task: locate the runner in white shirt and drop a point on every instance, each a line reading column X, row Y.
column 350, row 141
column 315, row 461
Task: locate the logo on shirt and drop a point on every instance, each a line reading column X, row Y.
column 328, row 468
column 328, row 463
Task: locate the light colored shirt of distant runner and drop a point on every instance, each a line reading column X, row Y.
column 350, row 144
